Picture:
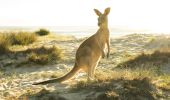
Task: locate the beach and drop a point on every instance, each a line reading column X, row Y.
column 16, row 81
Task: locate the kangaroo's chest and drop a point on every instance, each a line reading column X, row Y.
column 103, row 43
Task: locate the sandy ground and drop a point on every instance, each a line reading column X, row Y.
column 18, row 80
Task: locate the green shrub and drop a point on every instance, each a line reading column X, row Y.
column 44, row 55
column 42, row 32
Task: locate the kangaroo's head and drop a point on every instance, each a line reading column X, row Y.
column 102, row 18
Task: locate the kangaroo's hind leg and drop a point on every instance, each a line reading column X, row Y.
column 89, row 74
column 94, row 67
column 91, row 70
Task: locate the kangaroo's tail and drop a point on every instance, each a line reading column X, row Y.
column 61, row 79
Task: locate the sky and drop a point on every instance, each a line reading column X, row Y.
column 135, row 14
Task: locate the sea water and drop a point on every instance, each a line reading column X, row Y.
column 77, row 31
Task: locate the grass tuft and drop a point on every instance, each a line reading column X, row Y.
column 38, row 59
column 156, row 59
column 4, row 44
column 44, row 55
column 20, row 38
column 23, row 38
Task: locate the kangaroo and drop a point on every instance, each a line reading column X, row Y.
column 90, row 51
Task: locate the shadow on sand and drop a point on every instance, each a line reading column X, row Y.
column 120, row 89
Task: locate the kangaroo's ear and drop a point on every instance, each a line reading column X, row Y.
column 97, row 12
column 107, row 10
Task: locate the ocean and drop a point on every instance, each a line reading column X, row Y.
column 77, row 31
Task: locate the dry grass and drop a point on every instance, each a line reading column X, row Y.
column 107, row 75
column 20, row 38
column 155, row 59
column 4, row 43
column 15, row 45
column 38, row 59
column 44, row 55
column 23, row 38
column 136, row 89
column 126, row 85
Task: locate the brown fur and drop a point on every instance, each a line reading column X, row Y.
column 90, row 51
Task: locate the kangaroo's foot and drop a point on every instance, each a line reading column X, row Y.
column 108, row 55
